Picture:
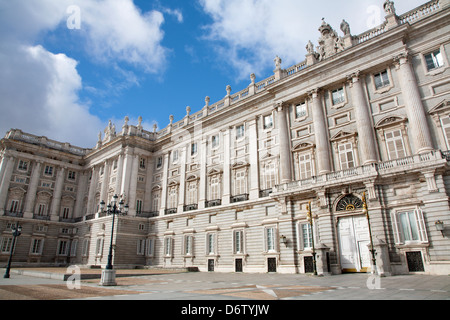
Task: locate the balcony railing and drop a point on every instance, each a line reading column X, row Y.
column 170, row 211
column 239, row 198
column 147, row 214
column 41, row 217
column 190, row 207
column 13, row 214
column 213, row 203
column 407, row 164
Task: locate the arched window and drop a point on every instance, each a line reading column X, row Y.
column 349, row 202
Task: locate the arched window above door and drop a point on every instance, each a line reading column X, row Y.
column 349, row 202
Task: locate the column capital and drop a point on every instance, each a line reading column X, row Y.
column 314, row 93
column 402, row 58
column 354, row 77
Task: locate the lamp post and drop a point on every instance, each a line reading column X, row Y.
column 113, row 208
column 310, row 219
column 372, row 249
column 16, row 231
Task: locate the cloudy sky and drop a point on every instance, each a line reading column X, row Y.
column 69, row 66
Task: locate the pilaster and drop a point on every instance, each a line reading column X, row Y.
column 254, row 163
column 32, row 189
column 420, row 132
column 4, row 186
column 320, row 133
column 56, row 202
column 285, row 144
column 367, row 143
column 226, row 167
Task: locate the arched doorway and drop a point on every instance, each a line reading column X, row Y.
column 353, row 235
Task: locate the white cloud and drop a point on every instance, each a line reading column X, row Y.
column 39, row 95
column 40, row 89
column 248, row 34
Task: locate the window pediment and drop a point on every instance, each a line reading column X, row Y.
column 442, row 107
column 343, row 135
column 390, row 121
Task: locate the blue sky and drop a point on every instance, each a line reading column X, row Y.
column 148, row 58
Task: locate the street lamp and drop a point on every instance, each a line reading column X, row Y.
column 372, row 250
column 113, row 208
column 310, row 219
column 16, row 231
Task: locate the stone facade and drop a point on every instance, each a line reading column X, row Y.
column 228, row 188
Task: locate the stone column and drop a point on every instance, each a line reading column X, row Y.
column 320, row 133
column 366, row 137
column 164, row 185
column 32, row 189
column 130, row 198
column 119, row 174
column 56, row 202
column 254, row 162
column 420, row 132
column 226, row 167
column 285, row 144
column 92, row 188
column 126, row 174
column 81, row 191
column 203, row 175
column 4, row 185
column 105, row 182
column 182, row 189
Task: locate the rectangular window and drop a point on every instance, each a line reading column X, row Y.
column 305, row 166
column 193, row 149
column 73, row 248
column 215, row 188
column 66, row 213
column 270, row 179
column 240, row 183
column 434, row 60
column 306, row 236
column 210, row 243
column 188, row 245
column 346, row 156
column 338, row 96
column 6, row 243
column 62, row 248
column 381, row 80
column 42, row 210
column 175, row 156
column 156, row 196
column 140, row 247
column 445, row 124
column 268, row 122
column 141, row 163
column 410, row 226
column 99, row 247
column 150, row 244
column 14, row 207
column 139, row 205
column 48, row 170
column 159, row 162
column 239, row 241
column 23, row 165
column 215, row 141
column 270, row 239
column 168, row 247
column 71, row 175
column 300, row 110
column 192, row 193
column 85, row 249
column 172, row 202
column 240, row 131
column 395, row 145
column 36, row 246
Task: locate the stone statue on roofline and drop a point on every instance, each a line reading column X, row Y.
column 345, row 28
column 389, row 7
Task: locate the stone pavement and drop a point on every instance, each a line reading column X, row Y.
column 196, row 286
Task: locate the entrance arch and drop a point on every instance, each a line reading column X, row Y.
column 353, row 235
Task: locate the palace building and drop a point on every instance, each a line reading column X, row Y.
column 342, row 158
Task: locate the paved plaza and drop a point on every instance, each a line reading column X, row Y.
column 49, row 284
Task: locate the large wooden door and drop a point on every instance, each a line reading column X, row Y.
column 353, row 244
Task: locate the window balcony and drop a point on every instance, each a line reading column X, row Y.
column 239, row 198
column 213, row 203
column 142, row 214
column 13, row 214
column 265, row 193
column 40, row 217
column 190, row 207
column 170, row 211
